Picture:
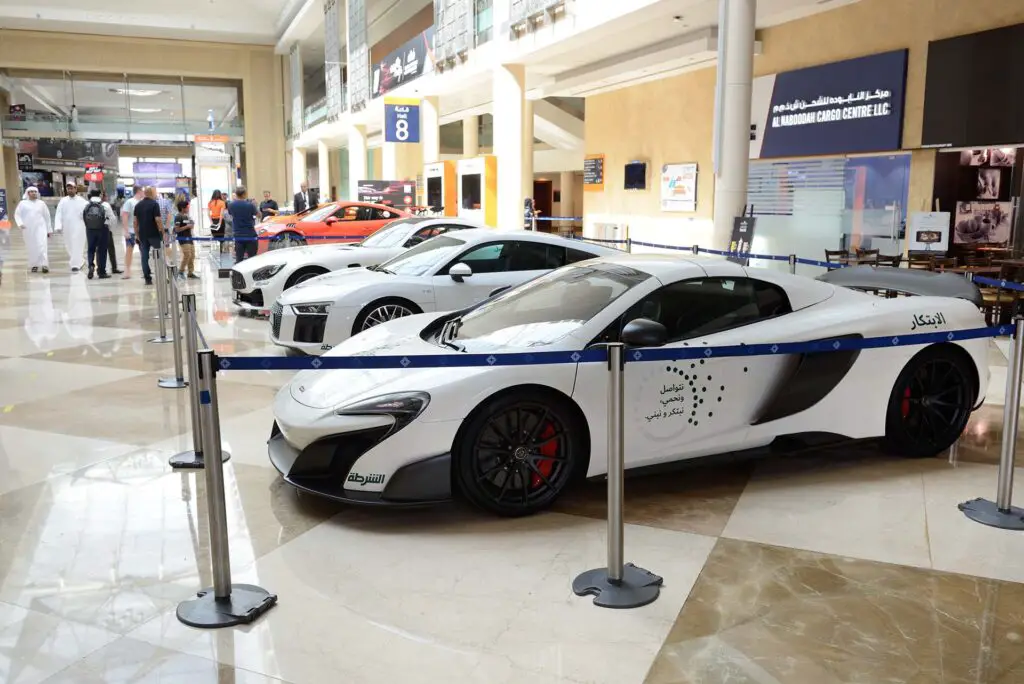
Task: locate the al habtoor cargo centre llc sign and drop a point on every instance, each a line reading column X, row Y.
column 853, row 106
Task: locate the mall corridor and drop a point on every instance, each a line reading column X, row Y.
column 822, row 568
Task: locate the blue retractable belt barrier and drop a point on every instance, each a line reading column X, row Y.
column 596, row 355
column 719, row 252
column 269, row 238
column 1004, row 284
column 558, row 218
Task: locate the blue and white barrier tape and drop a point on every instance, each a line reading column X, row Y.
column 717, row 252
column 558, row 218
column 601, row 355
column 269, row 238
column 1003, row 284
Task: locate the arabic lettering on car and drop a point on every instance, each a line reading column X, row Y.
column 928, row 320
column 363, row 480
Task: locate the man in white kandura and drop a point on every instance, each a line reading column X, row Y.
column 33, row 217
column 70, row 222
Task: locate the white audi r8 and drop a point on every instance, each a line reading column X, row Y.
column 512, row 438
column 259, row 281
column 444, row 273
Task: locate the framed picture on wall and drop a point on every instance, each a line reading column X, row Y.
column 1002, row 156
column 982, row 223
column 989, row 182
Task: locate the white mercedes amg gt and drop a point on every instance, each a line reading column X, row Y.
column 512, row 438
column 444, row 273
column 260, row 280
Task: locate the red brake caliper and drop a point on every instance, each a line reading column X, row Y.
column 905, row 404
column 550, row 449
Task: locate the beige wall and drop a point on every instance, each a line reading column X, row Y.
column 671, row 120
column 255, row 66
column 419, row 23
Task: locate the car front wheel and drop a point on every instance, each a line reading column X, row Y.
column 930, row 403
column 517, row 454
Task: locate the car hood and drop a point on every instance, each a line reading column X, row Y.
column 330, row 287
column 334, row 388
column 277, row 256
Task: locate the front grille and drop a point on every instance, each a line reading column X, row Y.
column 237, row 281
column 254, row 298
column 310, row 328
column 275, row 320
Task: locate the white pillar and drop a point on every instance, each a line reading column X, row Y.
column 389, row 155
column 527, row 150
column 356, row 159
column 567, row 192
column 324, row 168
column 509, row 83
column 430, row 130
column 470, row 136
column 298, row 168
column 733, row 114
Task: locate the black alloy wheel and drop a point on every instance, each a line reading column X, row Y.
column 517, row 454
column 930, row 403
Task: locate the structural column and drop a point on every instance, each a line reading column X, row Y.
column 732, row 115
column 567, row 192
column 298, row 168
column 324, row 168
column 430, row 130
column 527, row 149
column 471, row 136
column 509, row 105
column 356, row 159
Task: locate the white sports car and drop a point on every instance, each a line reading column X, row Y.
column 260, row 280
column 512, row 438
column 444, row 273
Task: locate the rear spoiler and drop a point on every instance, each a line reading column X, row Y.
column 906, row 280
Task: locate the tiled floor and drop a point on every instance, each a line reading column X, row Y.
column 840, row 566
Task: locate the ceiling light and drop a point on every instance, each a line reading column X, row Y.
column 136, row 92
column 146, row 110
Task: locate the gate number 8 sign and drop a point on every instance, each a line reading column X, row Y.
column 401, row 120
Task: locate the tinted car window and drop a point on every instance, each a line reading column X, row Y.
column 425, row 257
column 347, row 213
column 574, row 255
column 365, row 214
column 537, row 256
column 491, row 258
column 382, row 214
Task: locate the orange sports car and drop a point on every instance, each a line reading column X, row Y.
column 343, row 221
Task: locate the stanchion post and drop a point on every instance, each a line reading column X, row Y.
column 225, row 604
column 696, row 250
column 1002, row 513
column 193, row 458
column 619, row 585
column 629, row 245
column 792, row 264
column 160, row 272
column 178, row 381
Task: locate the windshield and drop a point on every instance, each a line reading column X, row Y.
column 393, row 234
column 320, row 214
column 547, row 308
column 424, row 257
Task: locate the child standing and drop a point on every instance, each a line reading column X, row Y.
column 183, row 230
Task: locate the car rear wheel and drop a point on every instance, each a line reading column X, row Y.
column 303, row 275
column 382, row 311
column 930, row 403
column 517, row 454
column 285, row 240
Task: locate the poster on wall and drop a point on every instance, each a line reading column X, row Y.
column 414, row 59
column 25, row 162
column 679, row 187
column 161, row 175
column 392, row 193
column 929, row 231
column 982, row 223
column 593, row 173
column 741, row 239
column 70, row 153
column 989, row 181
column 852, row 106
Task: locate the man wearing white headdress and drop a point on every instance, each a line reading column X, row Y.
column 70, row 221
column 33, row 217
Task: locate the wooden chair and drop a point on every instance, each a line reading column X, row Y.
column 921, row 260
column 940, row 263
column 891, row 261
column 974, row 258
column 867, row 256
column 836, row 256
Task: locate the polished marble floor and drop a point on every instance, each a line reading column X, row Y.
column 832, row 567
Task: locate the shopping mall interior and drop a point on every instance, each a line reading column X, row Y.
column 511, row 341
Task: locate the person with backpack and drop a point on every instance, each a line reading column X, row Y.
column 98, row 218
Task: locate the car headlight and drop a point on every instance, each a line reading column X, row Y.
column 404, row 407
column 319, row 309
column 267, row 272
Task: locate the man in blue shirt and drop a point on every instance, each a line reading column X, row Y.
column 244, row 216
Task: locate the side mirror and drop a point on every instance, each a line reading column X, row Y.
column 498, row 291
column 460, row 272
column 643, row 332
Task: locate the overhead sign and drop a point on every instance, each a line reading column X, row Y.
column 414, row 59
column 593, row 173
column 25, row 162
column 401, row 120
column 211, row 138
column 844, row 107
column 66, row 153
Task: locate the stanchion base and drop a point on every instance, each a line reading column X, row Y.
column 988, row 513
column 161, row 340
column 638, row 587
column 171, row 383
column 190, row 460
column 166, row 317
column 245, row 604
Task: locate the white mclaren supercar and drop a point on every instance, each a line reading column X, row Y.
column 445, row 273
column 512, row 438
column 260, row 280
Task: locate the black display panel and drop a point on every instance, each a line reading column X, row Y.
column 974, row 90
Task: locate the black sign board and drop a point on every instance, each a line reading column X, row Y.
column 742, row 236
column 398, row 194
column 405, row 64
column 593, row 172
column 25, row 162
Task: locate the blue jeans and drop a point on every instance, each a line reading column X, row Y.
column 145, row 245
